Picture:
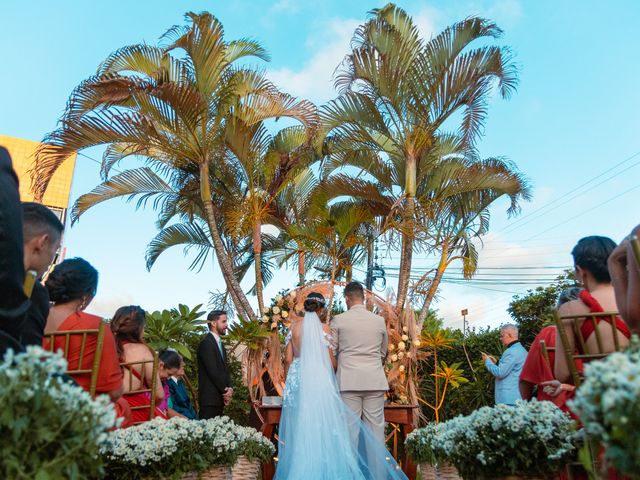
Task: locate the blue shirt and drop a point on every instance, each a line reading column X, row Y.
column 507, row 373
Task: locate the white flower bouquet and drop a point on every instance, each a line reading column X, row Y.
column 51, row 428
column 278, row 314
column 253, row 444
column 608, row 404
column 421, row 444
column 170, row 448
column 533, row 438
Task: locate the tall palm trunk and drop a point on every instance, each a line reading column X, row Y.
column 237, row 295
column 334, row 262
column 406, row 254
column 435, row 283
column 301, row 268
column 257, row 253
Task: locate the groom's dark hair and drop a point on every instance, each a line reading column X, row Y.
column 354, row 290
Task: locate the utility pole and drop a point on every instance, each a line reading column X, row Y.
column 464, row 313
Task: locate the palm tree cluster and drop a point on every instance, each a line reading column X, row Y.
column 392, row 157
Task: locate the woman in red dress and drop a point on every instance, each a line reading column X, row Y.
column 127, row 326
column 72, row 285
column 590, row 259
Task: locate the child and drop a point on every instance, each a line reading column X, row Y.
column 171, row 372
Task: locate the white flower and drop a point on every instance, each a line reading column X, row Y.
column 275, row 309
column 392, row 347
column 405, row 329
column 401, row 368
column 285, row 314
column 401, row 345
column 400, row 355
column 394, row 358
column 265, row 310
column 405, row 338
column 265, row 319
column 416, row 343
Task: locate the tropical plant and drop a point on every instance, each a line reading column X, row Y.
column 396, row 93
column 52, row 429
column 535, row 309
column 169, row 328
column 173, row 108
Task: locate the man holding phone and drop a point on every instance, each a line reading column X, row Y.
column 507, row 371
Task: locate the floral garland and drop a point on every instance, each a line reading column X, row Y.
column 608, row 404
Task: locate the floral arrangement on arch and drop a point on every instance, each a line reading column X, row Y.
column 278, row 315
column 608, row 404
column 531, row 438
column 403, row 355
column 51, row 427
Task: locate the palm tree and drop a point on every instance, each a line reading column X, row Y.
column 171, row 107
column 456, row 196
column 268, row 165
column 397, row 91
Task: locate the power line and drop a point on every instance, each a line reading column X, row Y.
column 514, row 225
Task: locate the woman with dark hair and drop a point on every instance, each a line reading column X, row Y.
column 590, row 260
column 72, row 285
column 127, row 326
column 171, row 374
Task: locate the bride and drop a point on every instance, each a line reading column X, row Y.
column 315, row 440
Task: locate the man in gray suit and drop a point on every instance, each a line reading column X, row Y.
column 361, row 340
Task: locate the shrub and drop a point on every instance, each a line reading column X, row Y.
column 50, row 428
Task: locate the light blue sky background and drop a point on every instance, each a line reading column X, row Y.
column 575, row 116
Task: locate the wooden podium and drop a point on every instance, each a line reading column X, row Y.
column 401, row 415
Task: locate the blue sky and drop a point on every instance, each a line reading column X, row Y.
column 574, row 116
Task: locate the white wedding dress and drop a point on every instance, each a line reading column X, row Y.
column 314, row 437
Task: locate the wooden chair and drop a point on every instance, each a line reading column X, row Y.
column 574, row 356
column 545, row 353
column 150, row 390
column 68, row 335
column 635, row 246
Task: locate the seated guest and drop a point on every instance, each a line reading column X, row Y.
column 13, row 301
column 624, row 268
column 71, row 286
column 590, row 259
column 172, row 370
column 507, row 371
column 537, row 368
column 42, row 233
column 127, row 326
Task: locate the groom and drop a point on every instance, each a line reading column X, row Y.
column 361, row 340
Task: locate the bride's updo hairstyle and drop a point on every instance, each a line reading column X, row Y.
column 314, row 302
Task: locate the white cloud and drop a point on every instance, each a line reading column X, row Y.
column 506, row 12
column 315, row 80
column 287, row 6
column 329, row 44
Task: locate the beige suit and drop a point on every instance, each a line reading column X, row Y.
column 361, row 340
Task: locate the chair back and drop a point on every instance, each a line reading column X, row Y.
column 150, row 390
column 545, row 353
column 577, row 355
column 69, row 339
column 635, row 246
